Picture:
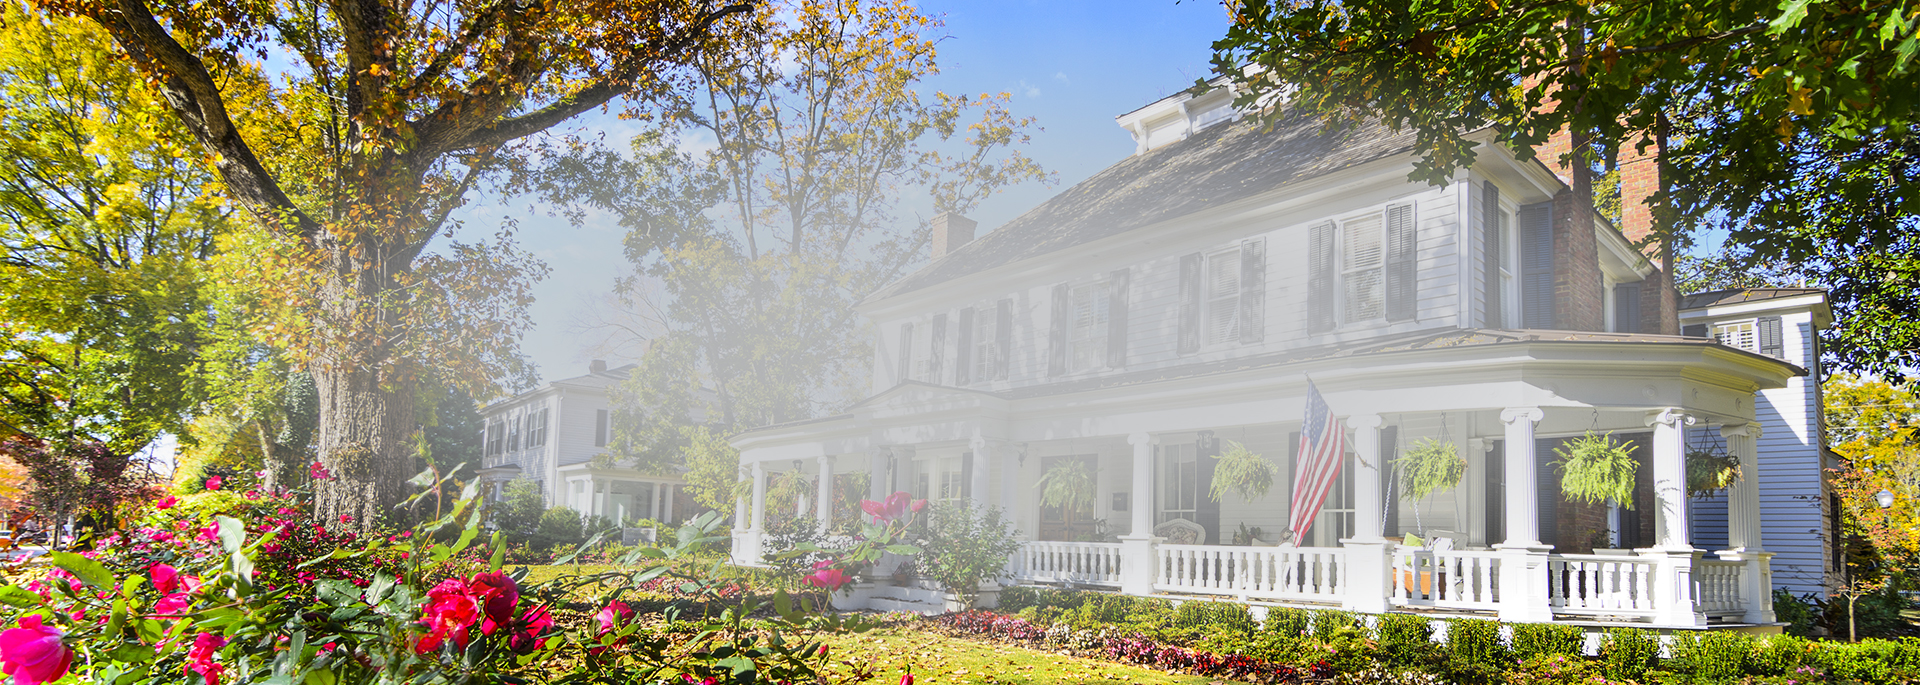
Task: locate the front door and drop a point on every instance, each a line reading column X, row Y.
column 1059, row 523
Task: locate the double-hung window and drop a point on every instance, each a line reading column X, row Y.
column 1179, row 484
column 1223, row 296
column 1087, row 332
column 537, row 427
column 1741, row 334
column 1363, row 269
column 984, row 341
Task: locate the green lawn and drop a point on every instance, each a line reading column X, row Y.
column 955, row 661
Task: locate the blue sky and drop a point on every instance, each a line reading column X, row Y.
column 1074, row 65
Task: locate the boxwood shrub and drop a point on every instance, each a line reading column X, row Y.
column 1547, row 639
column 1288, row 621
column 1629, row 653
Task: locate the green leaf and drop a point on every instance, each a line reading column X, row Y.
column 233, row 533
column 14, row 595
column 87, row 570
column 337, row 593
column 499, row 553
column 131, row 652
column 423, row 479
column 903, row 550
column 118, row 618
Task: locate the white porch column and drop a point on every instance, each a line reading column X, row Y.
column 743, row 535
column 800, row 502
column 1523, row 559
column 823, row 495
column 1138, row 559
column 1743, row 524
column 983, row 457
column 759, row 497
column 1368, row 567
column 1011, row 484
column 1673, row 596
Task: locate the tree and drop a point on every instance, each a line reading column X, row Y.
column 751, row 255
column 103, row 223
column 1789, row 125
column 386, row 117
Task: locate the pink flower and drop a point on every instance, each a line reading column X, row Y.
column 200, row 657
column 532, row 625
column 906, row 679
column 33, row 652
column 497, row 595
column 612, row 616
column 318, row 471
column 214, row 483
column 688, row 678
column 166, row 579
column 450, row 611
column 831, row 579
column 173, row 606
column 895, row 507
column 211, row 533
column 166, row 503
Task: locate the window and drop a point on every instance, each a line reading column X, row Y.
column 537, row 427
column 1362, row 272
column 921, row 368
column 1087, row 336
column 514, row 433
column 1741, row 334
column 1179, row 485
column 496, row 437
column 984, row 349
column 1336, row 511
column 1223, row 296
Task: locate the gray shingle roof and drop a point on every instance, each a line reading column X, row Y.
column 1216, row 166
column 1737, row 295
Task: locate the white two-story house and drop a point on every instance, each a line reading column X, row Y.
column 1185, row 297
column 557, row 435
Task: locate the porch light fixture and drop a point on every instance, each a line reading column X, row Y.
column 1884, row 498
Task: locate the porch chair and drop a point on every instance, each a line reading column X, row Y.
column 1181, row 532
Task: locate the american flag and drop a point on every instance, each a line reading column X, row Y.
column 1322, row 444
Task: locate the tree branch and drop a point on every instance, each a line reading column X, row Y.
column 191, row 93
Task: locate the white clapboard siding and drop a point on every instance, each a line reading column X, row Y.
column 1792, row 501
column 1438, row 276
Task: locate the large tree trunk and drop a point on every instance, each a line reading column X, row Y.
column 366, row 417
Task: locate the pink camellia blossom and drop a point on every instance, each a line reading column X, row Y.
column 318, row 471
column 33, row 652
column 211, row 533
column 690, row 680
column 173, row 606
column 918, row 505
column 200, row 657
column 906, row 679
column 450, row 611
column 166, row 579
column 527, row 636
column 612, row 616
column 497, row 595
column 214, row 483
column 895, row 507
column 166, row 502
column 830, row 578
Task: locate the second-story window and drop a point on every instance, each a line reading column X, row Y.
column 537, row 427
column 1087, row 334
column 496, row 437
column 514, row 433
column 983, row 341
column 1739, row 334
column 1362, row 266
column 1223, row 296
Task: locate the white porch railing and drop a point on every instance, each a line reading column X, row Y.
column 1084, row 563
column 1717, row 587
column 1600, row 585
column 1314, row 574
column 1452, row 579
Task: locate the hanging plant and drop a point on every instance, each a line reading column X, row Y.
column 1432, row 465
column 1710, row 470
column 1068, row 485
column 1594, row 469
column 1243, row 472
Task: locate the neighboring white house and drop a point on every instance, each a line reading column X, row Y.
column 1799, row 514
column 552, row 435
column 1186, row 296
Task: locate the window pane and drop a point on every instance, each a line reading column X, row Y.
column 1363, row 296
column 1363, row 243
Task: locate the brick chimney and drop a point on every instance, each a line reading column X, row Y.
column 950, row 231
column 597, row 366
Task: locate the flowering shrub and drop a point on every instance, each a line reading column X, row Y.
column 262, row 593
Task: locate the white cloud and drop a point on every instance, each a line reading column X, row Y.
column 1061, row 76
column 1031, row 90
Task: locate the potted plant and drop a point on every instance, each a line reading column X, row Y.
column 1594, row 469
column 1070, row 486
column 1710, row 470
column 1241, row 471
column 1432, row 465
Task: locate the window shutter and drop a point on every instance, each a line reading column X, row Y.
column 1190, row 286
column 966, row 475
column 963, row 354
column 1206, row 455
column 1253, row 291
column 906, row 353
column 1772, row 342
column 1293, row 465
column 1496, row 494
column 1547, row 489
column 1003, row 340
column 1698, row 330
column 599, row 428
column 937, row 356
column 1490, row 257
column 1320, row 278
column 1402, row 264
column 1117, row 318
column 1536, row 265
column 1057, row 333
column 1626, row 308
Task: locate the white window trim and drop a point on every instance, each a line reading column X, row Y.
column 1234, row 254
column 1752, row 328
column 1097, row 335
column 1510, row 304
column 986, row 318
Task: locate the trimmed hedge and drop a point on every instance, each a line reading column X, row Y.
column 1547, row 639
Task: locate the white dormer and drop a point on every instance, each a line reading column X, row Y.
column 1174, row 118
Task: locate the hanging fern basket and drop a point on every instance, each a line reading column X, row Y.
column 1430, row 466
column 1710, row 470
column 1241, row 471
column 1595, row 469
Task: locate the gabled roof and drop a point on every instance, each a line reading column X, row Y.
column 1213, row 167
column 1739, row 295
